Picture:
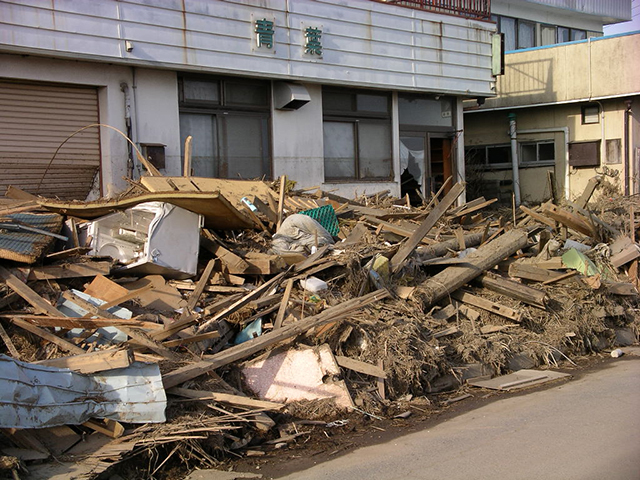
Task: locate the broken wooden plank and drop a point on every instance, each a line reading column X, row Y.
column 204, row 279
column 98, row 361
column 518, row 291
column 234, row 263
column 409, row 246
column 283, row 187
column 241, row 303
column 141, row 337
column 592, row 184
column 311, row 260
column 88, row 306
column 536, row 216
column 9, row 344
column 239, row 352
column 235, row 400
column 486, row 257
column 108, row 427
column 445, row 313
column 71, row 270
column 474, row 208
column 22, row 289
column 568, row 219
column 561, row 277
column 531, row 272
column 48, row 336
column 361, row 367
column 84, row 323
column 126, row 297
column 191, row 339
column 628, row 254
column 487, row 305
column 283, row 305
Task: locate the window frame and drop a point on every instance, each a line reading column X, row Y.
column 537, row 162
column 356, row 118
column 584, row 114
column 492, row 166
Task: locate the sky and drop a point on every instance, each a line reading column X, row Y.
column 632, row 26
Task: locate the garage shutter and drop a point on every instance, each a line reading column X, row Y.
column 34, row 121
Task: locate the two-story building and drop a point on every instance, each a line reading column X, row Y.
column 347, row 95
column 566, row 108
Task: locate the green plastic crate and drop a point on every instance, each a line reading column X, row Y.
column 326, row 217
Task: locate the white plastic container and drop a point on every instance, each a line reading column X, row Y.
column 313, row 284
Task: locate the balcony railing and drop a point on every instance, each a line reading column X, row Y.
column 480, row 9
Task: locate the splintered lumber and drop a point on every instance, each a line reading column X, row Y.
column 84, row 323
column 486, row 257
column 53, row 272
column 592, row 184
column 26, row 292
column 283, row 186
column 234, row 263
column 93, row 362
column 48, row 336
column 474, row 208
column 7, row 341
column 536, row 216
column 239, row 352
column 518, row 291
column 235, row 400
column 283, row 305
column 568, row 219
column 409, row 246
column 204, row 279
column 88, row 306
column 531, row 272
column 191, row 339
column 108, row 427
column 360, row 367
column 126, row 297
column 442, row 248
column 487, row 305
column 241, row 303
column 313, row 258
column 144, row 339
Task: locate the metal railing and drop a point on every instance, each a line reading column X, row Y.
column 480, row 9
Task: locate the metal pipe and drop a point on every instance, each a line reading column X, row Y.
column 565, row 130
column 514, row 157
column 627, row 169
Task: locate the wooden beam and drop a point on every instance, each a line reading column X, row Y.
column 129, row 296
column 518, row 291
column 409, row 246
column 360, row 367
column 88, row 306
column 48, row 336
column 204, row 279
column 592, row 184
column 110, row 428
column 22, row 289
column 536, row 216
column 283, row 186
column 283, row 305
column 73, row 270
column 98, row 361
column 7, row 341
column 531, row 272
column 191, row 339
column 235, row 400
column 568, row 219
column 486, row 257
column 84, row 323
column 144, row 339
column 487, row 305
column 239, row 352
column 186, row 169
column 242, row 302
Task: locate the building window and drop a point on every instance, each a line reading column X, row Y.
column 526, row 34
column 584, row 154
column 578, row 35
column 548, row 35
column 614, row 151
column 489, row 156
column 519, row 33
column 228, row 120
column 590, row 114
column 537, row 153
column 357, row 135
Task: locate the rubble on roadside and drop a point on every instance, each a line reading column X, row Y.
column 268, row 312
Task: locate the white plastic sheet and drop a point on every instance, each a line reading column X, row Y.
column 38, row 396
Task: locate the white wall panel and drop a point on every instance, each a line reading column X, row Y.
column 364, row 42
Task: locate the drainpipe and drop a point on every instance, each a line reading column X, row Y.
column 627, row 167
column 514, row 157
column 565, row 131
column 127, row 120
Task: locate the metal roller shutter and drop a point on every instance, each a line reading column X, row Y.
column 34, row 121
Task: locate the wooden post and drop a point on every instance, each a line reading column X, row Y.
column 187, row 157
column 283, row 186
column 409, row 246
column 476, row 263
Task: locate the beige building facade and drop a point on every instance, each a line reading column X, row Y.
column 563, row 114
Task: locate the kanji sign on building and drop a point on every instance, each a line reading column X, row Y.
column 313, row 41
column 264, row 33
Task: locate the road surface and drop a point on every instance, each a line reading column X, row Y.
column 586, row 429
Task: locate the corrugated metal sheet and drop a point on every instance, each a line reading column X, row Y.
column 26, row 247
column 614, row 9
column 365, row 43
column 34, row 121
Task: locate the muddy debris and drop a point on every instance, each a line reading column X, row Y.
column 271, row 316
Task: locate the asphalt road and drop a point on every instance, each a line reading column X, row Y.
column 586, row 429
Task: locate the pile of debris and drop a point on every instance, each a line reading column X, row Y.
column 248, row 309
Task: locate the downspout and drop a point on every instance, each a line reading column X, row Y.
column 565, row 131
column 514, row 157
column 627, row 169
column 127, row 120
column 134, row 122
